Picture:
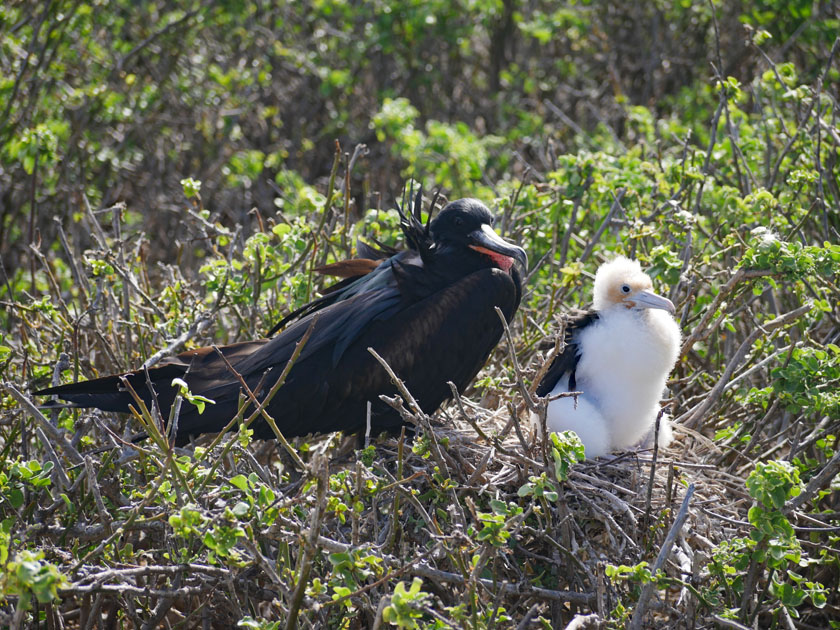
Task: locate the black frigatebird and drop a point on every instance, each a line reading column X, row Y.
column 429, row 311
column 618, row 355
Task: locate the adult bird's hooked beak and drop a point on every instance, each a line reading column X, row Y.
column 486, row 241
column 649, row 299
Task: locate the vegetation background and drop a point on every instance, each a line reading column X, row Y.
column 170, row 174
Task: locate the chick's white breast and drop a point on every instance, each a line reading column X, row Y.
column 626, row 357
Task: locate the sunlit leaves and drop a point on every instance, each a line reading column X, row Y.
column 27, row 574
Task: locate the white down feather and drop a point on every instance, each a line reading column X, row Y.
column 625, row 358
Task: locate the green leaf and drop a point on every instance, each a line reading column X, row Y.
column 241, row 482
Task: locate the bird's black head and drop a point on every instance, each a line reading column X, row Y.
column 467, row 223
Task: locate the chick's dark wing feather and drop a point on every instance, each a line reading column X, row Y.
column 566, row 361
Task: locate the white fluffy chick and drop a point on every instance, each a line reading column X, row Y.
column 619, row 354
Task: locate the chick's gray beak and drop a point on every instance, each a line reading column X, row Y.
column 649, row 299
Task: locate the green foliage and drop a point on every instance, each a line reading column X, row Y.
column 215, row 124
column 772, row 543
column 351, row 569
column 539, row 487
column 188, row 521
column 38, row 145
column 406, row 606
column 566, row 450
column 773, row 483
column 789, row 260
column 453, row 153
column 18, row 475
column 25, row 574
column 258, row 624
column 194, row 399
column 192, row 187
column 638, row 572
column 223, row 539
column 496, row 525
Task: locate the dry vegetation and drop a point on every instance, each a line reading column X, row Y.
column 725, row 188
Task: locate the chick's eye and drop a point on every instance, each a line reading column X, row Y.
column 625, row 288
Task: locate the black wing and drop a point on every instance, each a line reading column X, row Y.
column 566, row 362
column 417, row 237
column 348, row 288
column 375, row 297
column 367, row 260
column 446, row 336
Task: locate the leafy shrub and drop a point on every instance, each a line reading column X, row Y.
column 215, row 126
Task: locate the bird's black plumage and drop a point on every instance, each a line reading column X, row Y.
column 566, row 361
column 429, row 311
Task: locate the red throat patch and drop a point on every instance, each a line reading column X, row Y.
column 504, row 262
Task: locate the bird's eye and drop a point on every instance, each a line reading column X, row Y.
column 459, row 221
column 625, row 288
